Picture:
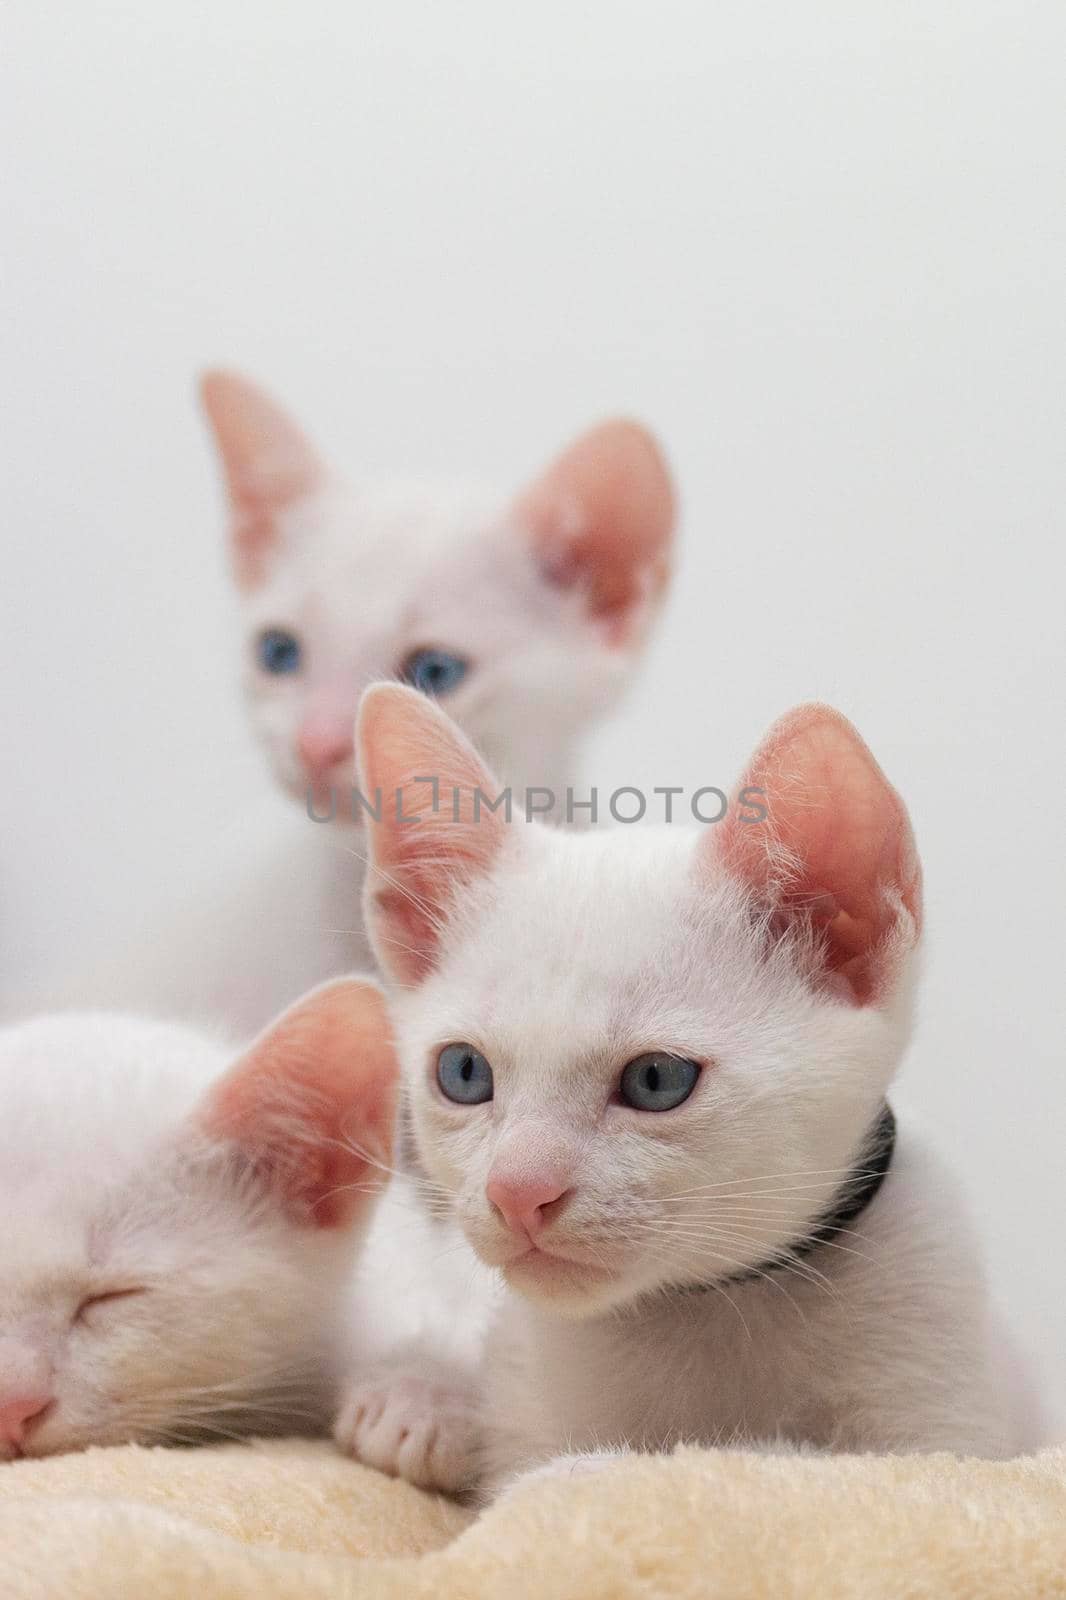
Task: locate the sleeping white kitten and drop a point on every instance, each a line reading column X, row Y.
column 179, row 1228
column 649, row 1069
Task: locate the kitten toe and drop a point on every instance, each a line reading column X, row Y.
column 417, row 1424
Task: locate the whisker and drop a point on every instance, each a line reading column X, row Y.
column 691, row 1228
column 430, row 912
column 704, row 1240
column 758, row 1214
column 351, row 1144
column 774, row 1177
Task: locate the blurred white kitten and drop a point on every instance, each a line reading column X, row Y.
column 180, row 1229
column 648, row 1071
column 527, row 613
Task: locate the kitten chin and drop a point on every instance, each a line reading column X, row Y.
column 305, row 1406
column 571, row 1288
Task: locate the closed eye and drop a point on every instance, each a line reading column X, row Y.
column 108, row 1297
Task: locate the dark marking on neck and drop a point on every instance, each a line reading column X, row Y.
column 851, row 1200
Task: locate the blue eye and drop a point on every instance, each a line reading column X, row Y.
column 434, row 671
column 278, row 651
column 464, row 1075
column 658, row 1082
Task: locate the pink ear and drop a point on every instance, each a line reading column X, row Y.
column 836, row 848
column 406, row 746
column 311, row 1104
column 602, row 519
column 268, row 463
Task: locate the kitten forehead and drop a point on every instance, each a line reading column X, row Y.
column 367, row 577
column 87, row 1095
column 586, row 949
column 374, row 542
column 625, row 946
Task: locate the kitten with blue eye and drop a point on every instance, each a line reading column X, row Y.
column 649, row 1072
column 527, row 614
column 181, row 1228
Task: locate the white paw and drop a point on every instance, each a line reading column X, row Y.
column 581, row 1464
column 418, row 1425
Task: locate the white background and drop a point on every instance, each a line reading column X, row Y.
column 819, row 247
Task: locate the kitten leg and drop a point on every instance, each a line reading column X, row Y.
column 413, row 1418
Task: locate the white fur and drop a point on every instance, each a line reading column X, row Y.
column 249, row 1322
column 420, row 1312
column 571, row 956
column 108, row 1183
column 363, row 577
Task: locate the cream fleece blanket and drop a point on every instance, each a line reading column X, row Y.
column 294, row 1521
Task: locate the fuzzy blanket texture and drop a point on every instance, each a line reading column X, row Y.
column 295, row 1521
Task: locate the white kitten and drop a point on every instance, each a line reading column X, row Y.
column 529, row 613
column 648, row 1068
column 179, row 1231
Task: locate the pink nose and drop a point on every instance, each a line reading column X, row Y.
column 16, row 1413
column 526, row 1207
column 322, row 747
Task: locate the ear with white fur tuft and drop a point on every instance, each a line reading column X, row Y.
column 835, row 849
column 602, row 519
column 410, row 755
column 268, row 463
column 312, row 1103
